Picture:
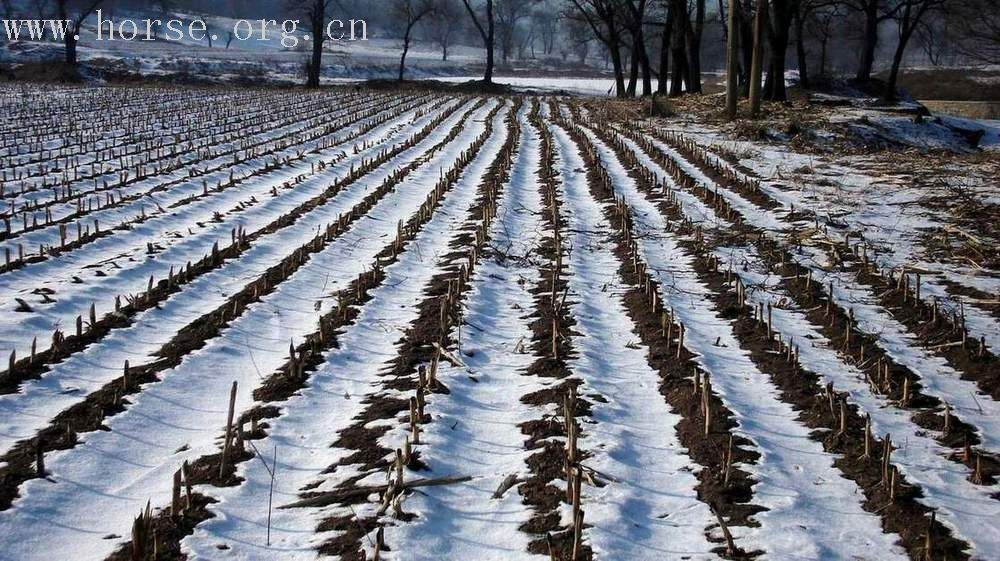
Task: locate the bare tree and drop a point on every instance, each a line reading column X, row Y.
column 799, row 20
column 75, row 13
column 813, row 20
column 577, row 36
column 874, row 13
column 911, row 14
column 930, row 38
column 209, row 27
column 757, row 63
column 509, row 14
column 605, row 22
column 316, row 12
column 693, row 36
column 408, row 14
column 664, row 81
column 487, row 30
column 780, row 14
column 731, row 80
column 546, row 21
column 822, row 26
column 636, row 21
column 974, row 30
column 444, row 25
column 678, row 46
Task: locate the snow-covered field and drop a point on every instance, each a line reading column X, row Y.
column 364, row 325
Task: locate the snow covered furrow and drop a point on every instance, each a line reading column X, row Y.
column 162, row 291
column 968, row 509
column 74, row 298
column 144, row 106
column 116, row 471
column 545, row 485
column 74, row 378
column 301, row 118
column 377, row 439
column 980, row 323
column 937, row 377
column 940, row 379
column 696, row 210
column 813, row 512
column 891, row 229
column 686, row 210
column 339, row 385
column 166, row 191
column 649, row 509
column 928, row 463
column 475, row 430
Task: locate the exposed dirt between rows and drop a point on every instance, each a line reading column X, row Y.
column 158, row 150
column 89, row 414
column 34, row 367
column 249, row 152
column 973, row 360
column 727, row 489
column 901, row 513
column 835, row 324
column 546, row 436
column 983, row 300
column 294, row 374
column 415, row 366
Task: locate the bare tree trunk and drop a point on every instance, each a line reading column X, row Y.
column 488, row 34
column 731, row 86
column 869, row 42
column 694, row 48
column 647, row 77
column 780, row 21
column 757, row 64
column 70, row 42
column 638, row 20
column 744, row 25
column 69, row 39
column 633, row 72
column 822, row 57
column 800, row 48
column 907, row 25
column 317, row 19
column 664, row 81
column 316, row 62
column 678, row 40
column 614, row 49
column 490, row 42
column 406, row 49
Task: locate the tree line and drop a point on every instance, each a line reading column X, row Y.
column 649, row 46
column 662, row 46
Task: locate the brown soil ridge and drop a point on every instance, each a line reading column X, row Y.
column 727, row 489
column 291, row 377
column 549, row 463
column 899, row 295
column 888, row 377
column 89, row 414
column 33, row 367
column 841, row 431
